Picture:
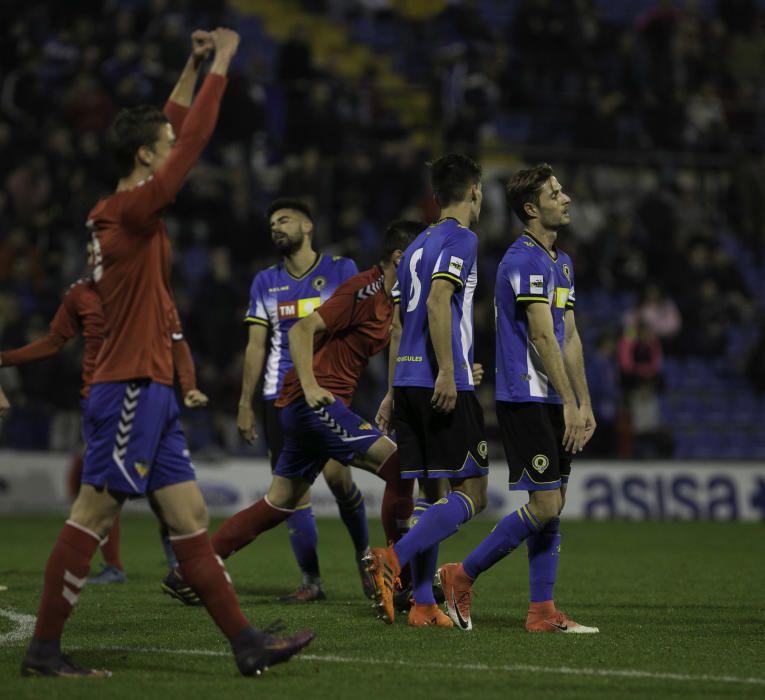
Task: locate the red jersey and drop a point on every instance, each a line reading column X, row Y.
column 132, row 252
column 358, row 317
column 80, row 312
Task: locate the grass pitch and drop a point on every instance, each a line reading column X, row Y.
column 680, row 606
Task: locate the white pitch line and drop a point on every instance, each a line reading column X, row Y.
column 505, row 668
column 25, row 625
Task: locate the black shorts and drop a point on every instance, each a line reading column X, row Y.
column 532, row 434
column 432, row 444
column 272, row 431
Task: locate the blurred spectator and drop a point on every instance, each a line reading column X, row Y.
column 640, row 356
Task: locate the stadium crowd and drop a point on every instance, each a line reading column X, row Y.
column 663, row 245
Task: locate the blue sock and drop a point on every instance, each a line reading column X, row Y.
column 544, row 551
column 503, row 539
column 423, row 565
column 304, row 538
column 354, row 515
column 172, row 562
column 437, row 523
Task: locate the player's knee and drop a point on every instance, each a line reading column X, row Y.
column 545, row 505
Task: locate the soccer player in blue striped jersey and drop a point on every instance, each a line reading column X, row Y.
column 436, row 415
column 543, row 404
column 279, row 297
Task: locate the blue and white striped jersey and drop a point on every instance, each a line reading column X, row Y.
column 446, row 250
column 528, row 274
column 278, row 300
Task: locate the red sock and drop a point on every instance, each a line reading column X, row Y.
column 65, row 575
column 205, row 573
column 397, row 503
column 241, row 529
column 111, row 548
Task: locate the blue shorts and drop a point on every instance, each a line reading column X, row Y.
column 312, row 436
column 135, row 441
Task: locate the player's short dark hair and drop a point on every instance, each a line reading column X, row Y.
column 451, row 176
column 289, row 203
column 132, row 128
column 398, row 236
column 526, row 186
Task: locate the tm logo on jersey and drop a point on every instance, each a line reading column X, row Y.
column 455, row 265
column 298, row 309
column 536, row 284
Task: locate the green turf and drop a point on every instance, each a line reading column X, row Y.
column 674, row 598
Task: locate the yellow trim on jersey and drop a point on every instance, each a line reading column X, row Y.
column 316, row 262
column 448, row 276
column 530, row 297
column 257, row 321
column 396, row 300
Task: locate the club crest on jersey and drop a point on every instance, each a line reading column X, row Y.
column 141, row 468
column 540, row 463
column 318, row 283
column 365, row 426
column 567, row 271
column 299, row 308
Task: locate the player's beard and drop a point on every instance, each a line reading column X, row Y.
column 286, row 246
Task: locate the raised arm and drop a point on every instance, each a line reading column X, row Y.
column 542, row 335
column 141, row 204
column 301, row 337
column 180, row 98
column 573, row 358
column 439, row 306
column 254, row 357
column 39, row 349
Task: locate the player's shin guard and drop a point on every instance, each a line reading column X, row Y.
column 503, row 539
column 241, row 529
column 354, row 515
column 397, row 499
column 111, row 547
column 205, row 573
column 65, row 575
column 304, row 538
column 543, row 549
column 437, row 523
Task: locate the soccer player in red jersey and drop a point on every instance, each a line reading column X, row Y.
column 330, row 349
column 136, row 446
column 81, row 313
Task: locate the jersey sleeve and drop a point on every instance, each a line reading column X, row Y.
column 456, row 259
column 528, row 278
column 349, row 269
column 395, row 293
column 571, row 301
column 66, row 321
column 257, row 313
column 176, row 114
column 143, row 203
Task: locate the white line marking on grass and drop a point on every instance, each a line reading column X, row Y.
column 506, row 668
column 25, row 625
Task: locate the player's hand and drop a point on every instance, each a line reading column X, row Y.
column 245, row 423
column 478, row 373
column 201, row 46
column 316, row 396
column 573, row 438
column 444, row 393
column 589, row 423
column 226, row 41
column 195, row 399
column 384, row 417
